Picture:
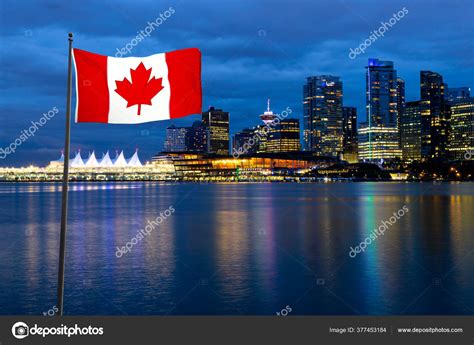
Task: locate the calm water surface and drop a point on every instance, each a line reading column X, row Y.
column 240, row 249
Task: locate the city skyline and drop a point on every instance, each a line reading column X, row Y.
column 396, row 101
column 437, row 127
column 243, row 64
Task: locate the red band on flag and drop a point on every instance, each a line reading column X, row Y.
column 184, row 75
column 92, row 90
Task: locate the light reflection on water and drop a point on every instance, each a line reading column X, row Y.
column 8, row 188
column 240, row 248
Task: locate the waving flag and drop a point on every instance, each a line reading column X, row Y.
column 137, row 90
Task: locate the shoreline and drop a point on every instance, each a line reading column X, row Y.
column 329, row 181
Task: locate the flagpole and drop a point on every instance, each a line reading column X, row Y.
column 62, row 242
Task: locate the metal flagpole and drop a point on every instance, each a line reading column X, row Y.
column 62, row 243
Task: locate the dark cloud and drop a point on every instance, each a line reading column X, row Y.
column 252, row 50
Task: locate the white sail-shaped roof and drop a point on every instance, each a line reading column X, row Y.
column 120, row 161
column 92, row 161
column 58, row 162
column 61, row 159
column 77, row 162
column 134, row 161
column 106, row 162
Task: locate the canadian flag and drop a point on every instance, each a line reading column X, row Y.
column 137, row 90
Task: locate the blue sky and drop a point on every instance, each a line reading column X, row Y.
column 252, row 50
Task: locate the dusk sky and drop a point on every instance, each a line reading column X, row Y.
column 251, row 51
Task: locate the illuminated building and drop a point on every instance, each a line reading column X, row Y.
column 349, row 124
column 410, row 132
column 400, row 102
column 381, row 93
column 197, row 139
column 106, row 162
column 261, row 132
column 322, row 115
column 176, row 139
column 379, row 137
column 434, row 116
column 378, row 143
column 284, row 136
column 217, row 121
column 244, row 142
column 92, row 163
column 461, row 139
column 59, row 163
column 196, row 166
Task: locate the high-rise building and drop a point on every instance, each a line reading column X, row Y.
column 378, row 144
column 176, row 139
column 261, row 132
column 454, row 94
column 400, row 101
column 434, row 116
column 198, row 137
column 378, row 136
column 245, row 142
column 322, row 115
column 349, row 125
column 381, row 93
column 461, row 138
column 217, row 121
column 410, row 132
column 284, row 136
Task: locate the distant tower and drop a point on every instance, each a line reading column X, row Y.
column 268, row 116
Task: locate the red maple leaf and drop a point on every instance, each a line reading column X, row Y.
column 141, row 90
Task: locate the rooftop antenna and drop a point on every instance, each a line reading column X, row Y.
column 268, row 104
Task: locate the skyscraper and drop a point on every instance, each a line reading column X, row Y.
column 461, row 138
column 378, row 136
column 217, row 121
column 410, row 132
column 244, row 142
column 176, row 139
column 284, row 136
column 198, row 137
column 434, row 116
column 349, row 124
column 322, row 115
column 400, row 101
column 381, row 93
column 261, row 132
